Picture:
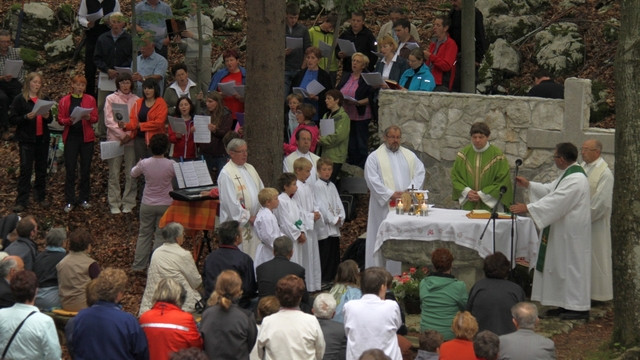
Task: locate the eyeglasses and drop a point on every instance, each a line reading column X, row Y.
column 240, row 151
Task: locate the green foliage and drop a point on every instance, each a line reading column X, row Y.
column 31, row 57
column 66, row 13
column 15, row 7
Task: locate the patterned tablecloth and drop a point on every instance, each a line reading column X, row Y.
column 193, row 215
column 454, row 225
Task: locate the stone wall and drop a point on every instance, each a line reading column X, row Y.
column 436, row 126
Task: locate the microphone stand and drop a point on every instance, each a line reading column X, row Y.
column 494, row 216
column 513, row 216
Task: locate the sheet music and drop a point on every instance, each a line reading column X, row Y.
column 314, row 87
column 347, row 47
column 12, row 67
column 110, row 149
column 373, row 79
column 294, row 43
column 202, row 171
column 177, row 124
column 123, row 70
column 412, row 45
column 192, row 173
column 325, row 49
column 301, row 91
column 349, row 98
column 227, row 88
column 95, row 16
column 327, row 127
column 239, row 89
column 202, row 134
column 120, row 112
column 42, row 107
column 106, row 84
column 78, row 112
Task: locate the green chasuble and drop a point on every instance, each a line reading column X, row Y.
column 483, row 171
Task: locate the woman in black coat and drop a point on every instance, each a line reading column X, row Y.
column 32, row 134
column 313, row 72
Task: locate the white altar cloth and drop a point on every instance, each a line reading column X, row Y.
column 454, row 225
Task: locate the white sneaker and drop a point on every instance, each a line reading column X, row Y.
column 126, row 210
column 115, row 211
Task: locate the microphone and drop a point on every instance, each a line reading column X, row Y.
column 518, row 162
column 503, row 189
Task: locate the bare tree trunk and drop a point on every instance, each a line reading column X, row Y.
column 468, row 48
column 264, row 95
column 625, row 228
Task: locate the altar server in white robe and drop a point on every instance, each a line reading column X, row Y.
column 562, row 208
column 266, row 225
column 239, row 184
column 601, row 188
column 303, row 138
column 389, row 171
column 309, row 212
column 288, row 215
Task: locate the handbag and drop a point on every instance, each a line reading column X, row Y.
column 4, row 353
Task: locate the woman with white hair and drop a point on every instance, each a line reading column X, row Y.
column 172, row 261
column 324, row 307
column 239, row 184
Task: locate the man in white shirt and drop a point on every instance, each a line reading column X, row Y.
column 389, row 171
column 601, row 187
column 303, row 138
column 371, row 321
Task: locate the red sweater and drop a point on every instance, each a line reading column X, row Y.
column 179, row 144
column 64, row 118
column 444, row 61
column 168, row 330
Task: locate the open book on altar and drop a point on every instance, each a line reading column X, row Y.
column 485, row 214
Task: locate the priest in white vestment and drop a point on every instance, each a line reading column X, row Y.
column 239, row 185
column 563, row 209
column 601, row 188
column 303, row 151
column 389, row 171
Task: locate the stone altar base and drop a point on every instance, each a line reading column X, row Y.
column 467, row 264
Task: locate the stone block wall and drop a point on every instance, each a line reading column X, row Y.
column 436, row 126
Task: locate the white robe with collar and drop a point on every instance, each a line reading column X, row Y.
column 380, row 195
column 565, row 281
column 310, row 259
column 288, row 214
column 601, row 184
column 231, row 198
column 267, row 229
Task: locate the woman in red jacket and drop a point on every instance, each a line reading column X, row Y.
column 147, row 117
column 78, row 140
column 168, row 328
column 184, row 146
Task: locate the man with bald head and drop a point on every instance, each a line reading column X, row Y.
column 9, row 266
column 601, row 187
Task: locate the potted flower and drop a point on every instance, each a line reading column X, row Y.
column 406, row 288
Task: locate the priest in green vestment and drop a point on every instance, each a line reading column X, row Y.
column 480, row 169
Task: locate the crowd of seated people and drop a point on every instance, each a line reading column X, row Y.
column 352, row 318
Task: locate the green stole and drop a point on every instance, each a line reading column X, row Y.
column 545, row 233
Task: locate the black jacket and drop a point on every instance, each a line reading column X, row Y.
column 363, row 91
column 110, row 53
column 365, row 42
column 26, row 128
column 270, row 272
column 323, row 78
